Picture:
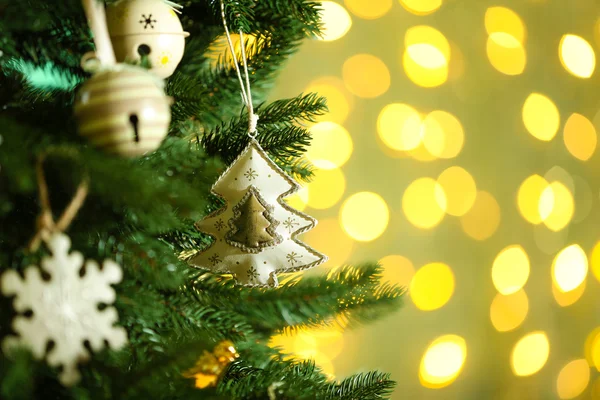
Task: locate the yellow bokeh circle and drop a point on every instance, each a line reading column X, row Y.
column 556, row 206
column 595, row 261
column 432, row 286
column 339, row 99
column 426, row 56
column 541, row 117
column 443, row 361
column 580, row 137
column 331, row 145
column 460, row 190
column 483, row 219
column 326, row 188
column 569, row 268
column 528, row 198
column 506, row 53
column 443, row 134
column 530, row 354
column 424, row 203
column 371, row 9
column 573, row 379
column 399, row 126
column 366, row 75
column 504, row 20
column 397, row 270
column 577, row 56
column 364, row 216
column 335, row 19
column 509, row 312
column 565, row 299
column 510, row 270
column 421, row 7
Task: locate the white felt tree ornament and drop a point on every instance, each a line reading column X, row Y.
column 65, row 308
column 255, row 233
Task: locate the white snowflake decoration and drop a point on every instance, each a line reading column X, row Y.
column 65, row 308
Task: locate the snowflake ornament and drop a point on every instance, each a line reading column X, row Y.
column 65, row 308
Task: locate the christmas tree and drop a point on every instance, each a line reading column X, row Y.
column 148, row 324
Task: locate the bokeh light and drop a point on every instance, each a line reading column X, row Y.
column 530, row 354
column 432, row 286
column 397, row 270
column 510, row 270
column 399, row 126
column 424, row 203
column 556, row 206
column 580, row 137
column 421, row 7
column 541, row 117
column 329, row 238
column 528, row 198
column 339, row 99
column 483, row 219
column 573, row 379
column 506, row 53
column 504, row 20
column 592, row 347
column 509, row 312
column 335, row 19
column 331, row 145
column 366, row 76
column 460, row 190
column 443, row 134
column 371, row 9
column 426, row 56
column 565, row 299
column 595, row 260
column 577, row 56
column 569, row 268
column 326, row 188
column 364, row 216
column 443, row 361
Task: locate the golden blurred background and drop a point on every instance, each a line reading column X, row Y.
column 459, row 151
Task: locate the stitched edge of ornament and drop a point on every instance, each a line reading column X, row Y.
column 295, row 187
column 277, row 239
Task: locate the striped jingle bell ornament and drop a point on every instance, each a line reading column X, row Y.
column 123, row 110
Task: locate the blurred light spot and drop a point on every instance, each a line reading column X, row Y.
column 556, row 206
column 420, row 153
column 432, row 286
column 528, row 198
column 530, row 354
column 506, row 53
column 426, row 57
column 366, row 75
column 339, row 100
column 570, row 268
column 326, row 188
column 583, row 199
column 573, row 379
column 399, row 126
column 443, row 361
column 550, row 242
column 364, row 216
column 577, row 56
column 460, row 189
column 541, row 117
column 397, row 270
column 299, row 199
column 331, row 145
column 595, row 261
column 329, row 237
column 580, row 137
column 557, row 173
column 371, row 9
column 565, row 299
column 592, row 340
column 508, row 312
column 335, row 19
column 504, row 20
column 424, row 203
column 483, row 218
column 327, row 341
column 421, row 7
column 443, row 134
column 510, row 270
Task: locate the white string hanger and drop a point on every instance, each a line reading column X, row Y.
column 246, row 93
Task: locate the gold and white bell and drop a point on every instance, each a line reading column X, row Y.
column 147, row 27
